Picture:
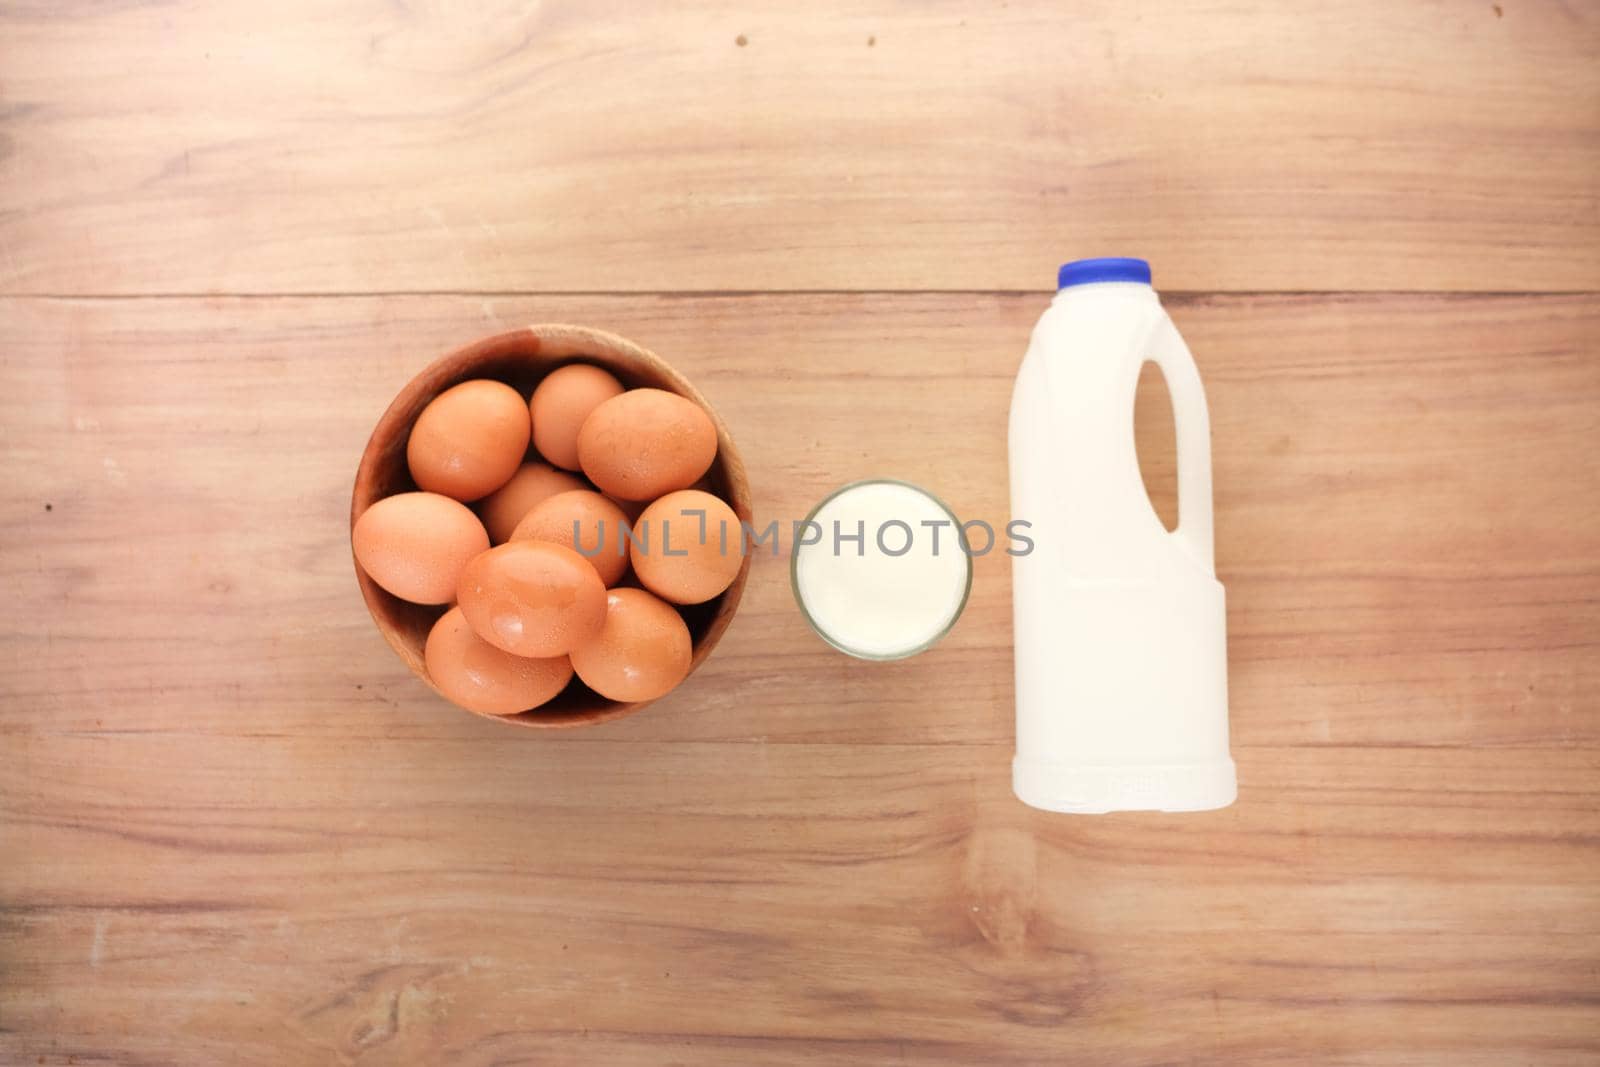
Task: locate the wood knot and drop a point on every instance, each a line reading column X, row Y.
column 1000, row 886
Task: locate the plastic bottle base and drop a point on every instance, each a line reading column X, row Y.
column 1088, row 790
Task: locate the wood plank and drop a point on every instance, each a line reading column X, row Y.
column 298, row 146
column 190, row 898
column 1408, row 510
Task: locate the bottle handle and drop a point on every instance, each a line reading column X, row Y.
column 1192, row 422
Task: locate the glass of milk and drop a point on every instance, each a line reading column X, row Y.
column 879, row 569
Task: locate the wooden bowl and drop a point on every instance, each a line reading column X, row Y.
column 521, row 358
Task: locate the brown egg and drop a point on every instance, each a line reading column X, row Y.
column 469, row 440
column 532, row 598
column 504, row 508
column 599, row 526
column 646, row 442
column 642, row 651
column 415, row 545
column 687, row 547
column 561, row 403
column 471, row 672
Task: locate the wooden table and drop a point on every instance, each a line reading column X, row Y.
column 233, row 829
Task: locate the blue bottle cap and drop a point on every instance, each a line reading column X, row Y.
column 1103, row 269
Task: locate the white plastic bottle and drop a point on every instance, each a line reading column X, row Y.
column 1120, row 628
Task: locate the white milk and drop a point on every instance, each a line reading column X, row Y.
column 896, row 590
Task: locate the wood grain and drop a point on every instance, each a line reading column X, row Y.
column 236, row 830
column 298, row 146
column 265, row 900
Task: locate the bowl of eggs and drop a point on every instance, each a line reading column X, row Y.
column 548, row 527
